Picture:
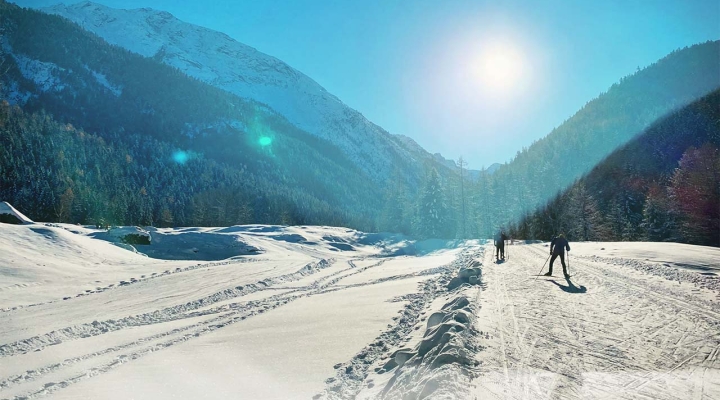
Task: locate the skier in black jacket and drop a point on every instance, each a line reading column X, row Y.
column 500, row 239
column 557, row 248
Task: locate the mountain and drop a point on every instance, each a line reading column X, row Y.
column 215, row 58
column 604, row 124
column 342, row 170
column 664, row 185
column 492, row 168
column 106, row 135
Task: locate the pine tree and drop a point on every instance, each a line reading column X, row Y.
column 432, row 220
column 658, row 222
column 461, row 165
column 695, row 187
column 396, row 213
column 584, row 223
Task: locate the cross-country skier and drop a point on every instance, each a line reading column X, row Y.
column 500, row 239
column 557, row 248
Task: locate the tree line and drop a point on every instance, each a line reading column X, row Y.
column 662, row 186
column 155, row 111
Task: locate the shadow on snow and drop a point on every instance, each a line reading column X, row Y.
column 570, row 288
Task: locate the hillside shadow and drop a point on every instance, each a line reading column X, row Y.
column 570, row 288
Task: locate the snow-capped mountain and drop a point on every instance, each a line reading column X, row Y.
column 219, row 60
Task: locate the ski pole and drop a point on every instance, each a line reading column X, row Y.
column 543, row 267
column 568, row 263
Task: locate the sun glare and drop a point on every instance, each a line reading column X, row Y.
column 500, row 69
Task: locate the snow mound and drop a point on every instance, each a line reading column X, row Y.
column 394, row 245
column 436, row 367
column 8, row 214
column 468, row 274
column 250, row 229
column 132, row 235
column 180, row 244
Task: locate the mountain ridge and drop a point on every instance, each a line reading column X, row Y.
column 215, row 58
column 155, row 140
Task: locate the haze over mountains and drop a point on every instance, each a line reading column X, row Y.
column 267, row 143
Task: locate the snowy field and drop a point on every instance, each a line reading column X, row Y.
column 268, row 312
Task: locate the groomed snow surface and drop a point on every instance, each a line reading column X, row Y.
column 269, row 312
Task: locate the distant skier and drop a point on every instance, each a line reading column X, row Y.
column 557, row 248
column 500, row 239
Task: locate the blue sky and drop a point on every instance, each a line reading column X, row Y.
column 478, row 79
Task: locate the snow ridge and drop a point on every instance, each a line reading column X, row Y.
column 6, row 208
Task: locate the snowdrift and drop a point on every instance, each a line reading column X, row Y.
column 9, row 215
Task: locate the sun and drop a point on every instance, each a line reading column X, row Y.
column 500, row 69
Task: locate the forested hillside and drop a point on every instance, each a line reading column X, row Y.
column 601, row 126
column 219, row 60
column 181, row 152
column 662, row 186
column 477, row 207
column 157, row 146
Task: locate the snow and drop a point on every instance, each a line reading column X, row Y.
column 102, row 79
column 611, row 331
column 701, row 258
column 298, row 318
column 221, row 61
column 44, row 74
column 7, row 209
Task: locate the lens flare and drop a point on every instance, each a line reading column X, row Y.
column 180, row 156
column 265, row 141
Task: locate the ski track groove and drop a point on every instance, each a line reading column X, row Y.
column 230, row 314
column 252, row 308
column 165, row 315
column 131, row 281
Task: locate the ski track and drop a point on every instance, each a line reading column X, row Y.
column 619, row 331
column 129, row 281
column 351, row 375
column 613, row 333
column 226, row 315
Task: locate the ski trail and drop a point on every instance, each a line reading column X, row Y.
column 133, row 281
column 609, row 332
column 351, row 375
column 232, row 311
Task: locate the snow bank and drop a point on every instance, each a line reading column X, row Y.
column 395, row 244
column 179, row 244
column 9, row 214
column 434, row 368
column 44, row 262
column 418, row 356
column 676, row 255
